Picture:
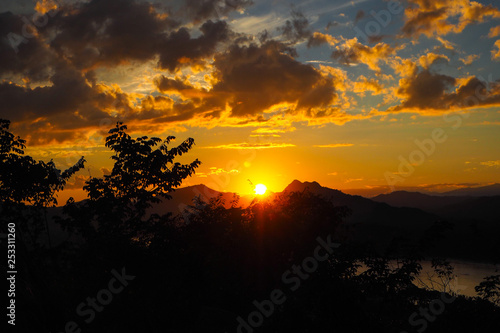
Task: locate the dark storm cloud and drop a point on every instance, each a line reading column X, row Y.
column 110, row 32
column 259, row 77
column 426, row 90
column 32, row 59
column 67, row 92
column 254, row 78
column 430, row 91
column 179, row 49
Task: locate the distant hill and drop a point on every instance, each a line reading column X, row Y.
column 489, row 190
column 485, row 208
column 418, row 200
column 483, row 191
column 476, row 221
column 364, row 209
column 183, row 197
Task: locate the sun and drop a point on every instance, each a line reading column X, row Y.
column 260, row 189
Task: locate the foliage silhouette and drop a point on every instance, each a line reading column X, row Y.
column 141, row 176
column 28, row 187
column 199, row 271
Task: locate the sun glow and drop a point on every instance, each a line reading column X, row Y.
column 260, row 189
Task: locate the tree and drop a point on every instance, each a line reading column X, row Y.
column 141, row 176
column 28, row 187
column 489, row 289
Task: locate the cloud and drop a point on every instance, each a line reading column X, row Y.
column 441, row 17
column 252, row 146
column 427, row 91
column 353, row 52
column 200, row 10
column 470, row 59
column 218, row 171
column 430, row 58
column 200, row 72
column 110, row 32
column 495, row 54
column 491, row 163
column 331, row 24
column 494, row 32
column 318, row 39
column 335, row 145
column 77, row 182
column 113, row 32
column 403, row 67
column 256, row 78
column 180, row 49
column 350, row 180
column 359, row 15
column 252, row 80
column 28, row 58
column 297, row 28
column 268, row 130
column 446, row 44
column 365, row 84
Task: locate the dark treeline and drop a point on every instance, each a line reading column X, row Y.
column 281, row 265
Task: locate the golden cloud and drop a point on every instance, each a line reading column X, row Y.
column 245, row 145
column 438, row 17
column 491, row 163
column 430, row 58
column 365, row 84
column 427, row 92
column 495, row 54
column 335, row 145
column 318, row 38
column 470, row 59
column 353, row 52
column 494, row 32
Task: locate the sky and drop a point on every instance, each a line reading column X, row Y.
column 371, row 95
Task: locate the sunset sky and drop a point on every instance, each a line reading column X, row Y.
column 338, row 92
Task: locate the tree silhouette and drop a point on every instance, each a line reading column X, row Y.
column 28, row 187
column 141, row 176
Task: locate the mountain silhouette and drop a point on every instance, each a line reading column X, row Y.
column 483, row 191
column 365, row 210
column 450, row 207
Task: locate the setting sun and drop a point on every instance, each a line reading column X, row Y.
column 260, row 189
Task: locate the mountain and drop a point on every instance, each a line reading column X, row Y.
column 183, row 197
column 363, row 209
column 483, row 191
column 449, row 207
column 417, row 200
column 375, row 222
column 475, row 221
